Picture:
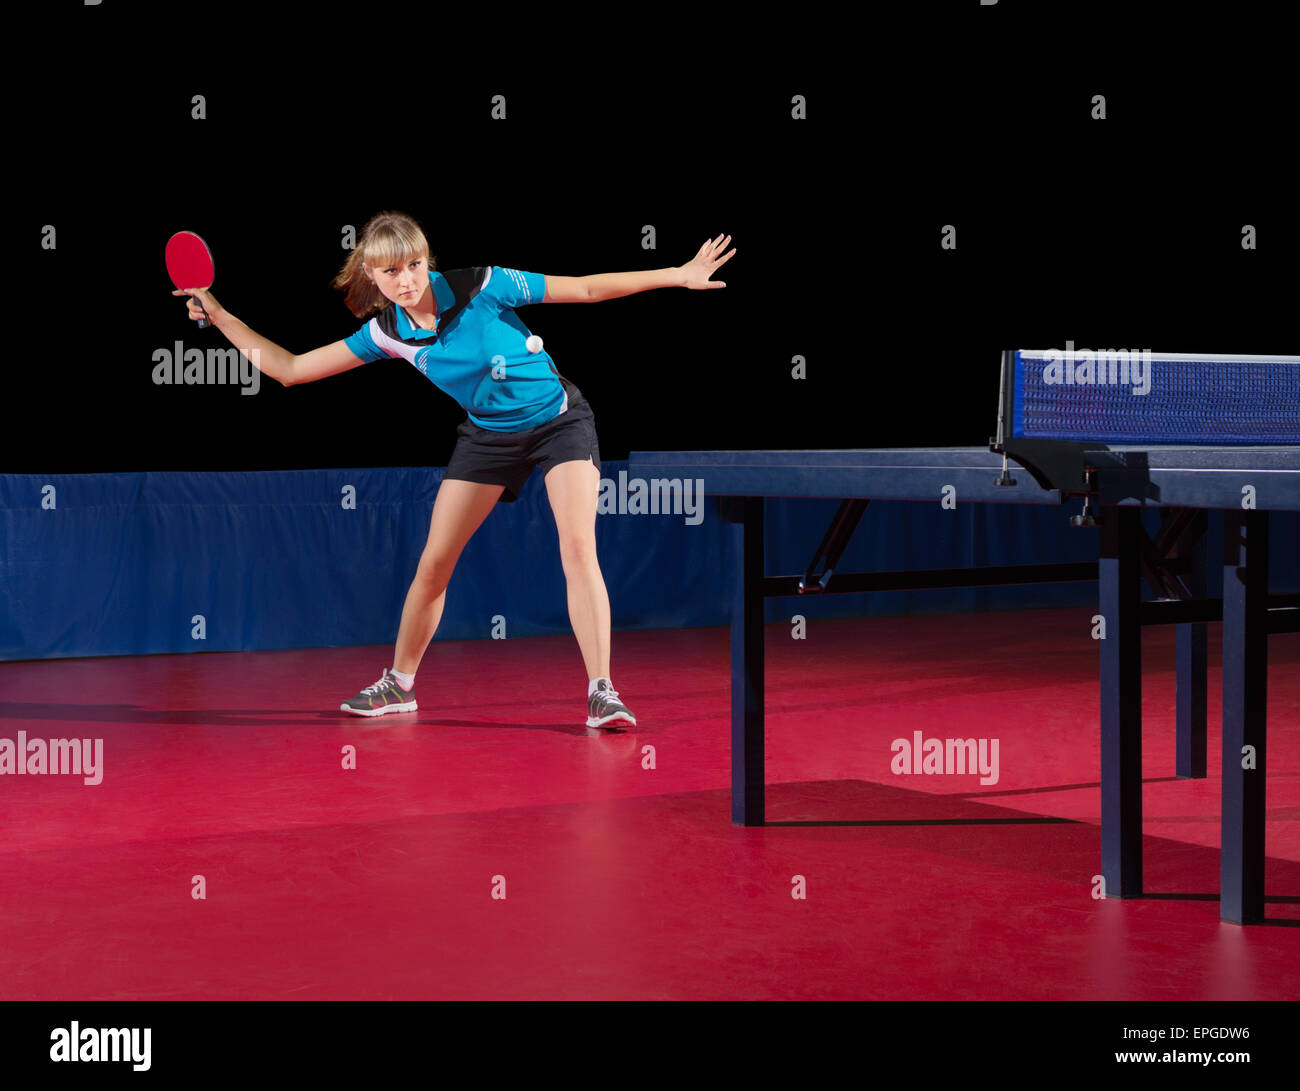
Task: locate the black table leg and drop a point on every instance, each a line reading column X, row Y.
column 1121, row 702
column 747, row 772
column 1245, row 710
column 1191, row 745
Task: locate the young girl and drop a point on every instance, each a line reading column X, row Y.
column 460, row 329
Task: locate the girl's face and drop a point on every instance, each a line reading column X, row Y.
column 403, row 284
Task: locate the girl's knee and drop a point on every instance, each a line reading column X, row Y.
column 578, row 552
column 433, row 574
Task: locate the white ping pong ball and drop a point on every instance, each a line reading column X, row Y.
column 534, row 343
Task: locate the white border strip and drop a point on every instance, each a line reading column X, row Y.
column 1208, row 356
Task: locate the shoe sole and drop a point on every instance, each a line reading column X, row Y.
column 624, row 716
column 409, row 706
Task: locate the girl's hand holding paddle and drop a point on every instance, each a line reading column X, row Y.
column 201, row 301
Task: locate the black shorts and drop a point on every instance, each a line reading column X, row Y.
column 508, row 458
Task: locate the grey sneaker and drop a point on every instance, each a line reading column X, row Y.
column 603, row 706
column 383, row 697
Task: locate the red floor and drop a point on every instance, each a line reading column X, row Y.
column 623, row 882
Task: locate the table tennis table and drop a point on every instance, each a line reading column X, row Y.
column 1115, row 483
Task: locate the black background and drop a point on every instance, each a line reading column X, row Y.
column 1116, row 233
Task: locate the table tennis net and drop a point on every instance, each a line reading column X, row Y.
column 1138, row 397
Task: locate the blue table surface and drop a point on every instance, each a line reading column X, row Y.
column 1181, row 475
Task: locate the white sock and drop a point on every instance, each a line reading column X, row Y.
column 403, row 680
column 591, row 686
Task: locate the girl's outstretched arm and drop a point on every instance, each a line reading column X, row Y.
column 279, row 363
column 694, row 274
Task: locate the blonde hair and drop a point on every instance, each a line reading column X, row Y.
column 389, row 238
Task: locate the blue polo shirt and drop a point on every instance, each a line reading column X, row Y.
column 476, row 353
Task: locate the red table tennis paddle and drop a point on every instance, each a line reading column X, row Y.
column 189, row 264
